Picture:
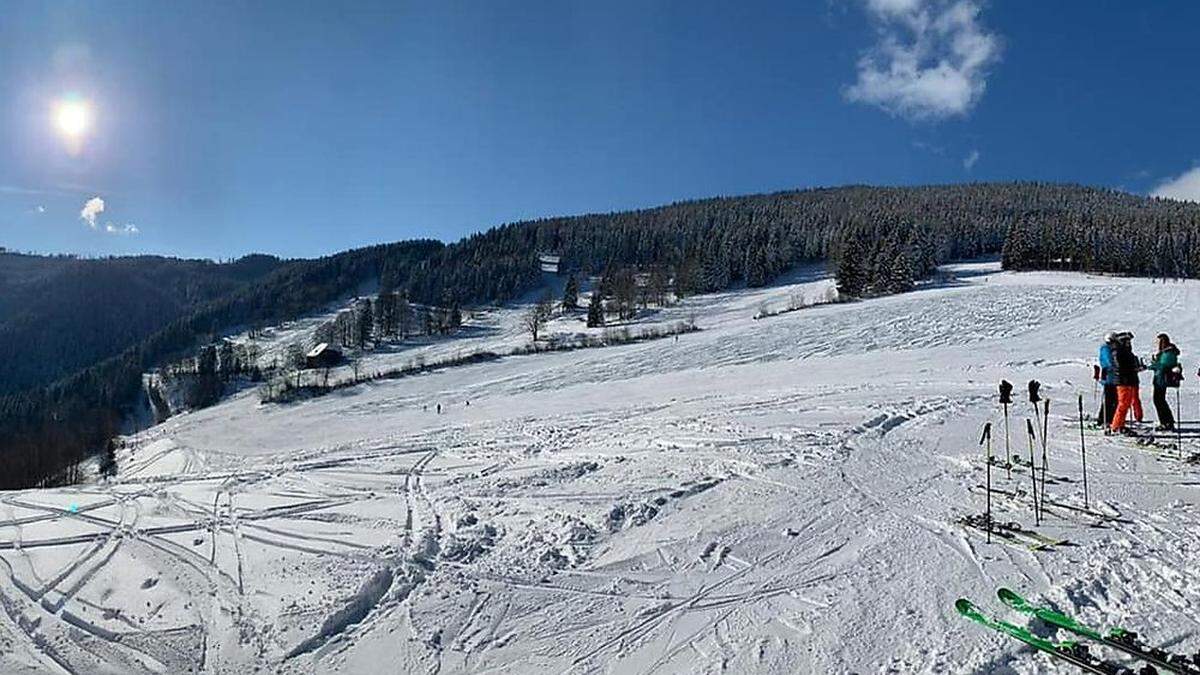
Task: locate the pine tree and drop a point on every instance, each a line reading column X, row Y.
column 685, row 277
column 900, row 274
column 108, row 462
column 570, row 299
column 595, row 317
column 851, row 269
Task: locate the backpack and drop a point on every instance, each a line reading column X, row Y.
column 1173, row 378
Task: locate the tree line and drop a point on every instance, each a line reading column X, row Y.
column 1121, row 235
column 878, row 240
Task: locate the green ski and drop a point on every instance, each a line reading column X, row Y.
column 1117, row 638
column 1071, row 652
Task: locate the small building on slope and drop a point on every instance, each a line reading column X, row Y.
column 322, row 356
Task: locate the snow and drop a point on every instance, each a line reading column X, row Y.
column 774, row 495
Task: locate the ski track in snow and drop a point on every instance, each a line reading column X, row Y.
column 776, row 495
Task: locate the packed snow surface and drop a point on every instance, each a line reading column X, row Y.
column 774, row 496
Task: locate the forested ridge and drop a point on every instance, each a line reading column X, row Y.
column 60, row 314
column 878, row 240
column 44, row 432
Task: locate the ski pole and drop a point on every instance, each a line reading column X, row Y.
column 1045, row 437
column 1178, row 422
column 1083, row 452
column 987, row 437
column 1033, row 467
column 1095, row 383
column 1007, row 452
column 1034, row 397
column 1104, row 412
column 1034, row 387
column 1037, row 514
column 1005, row 399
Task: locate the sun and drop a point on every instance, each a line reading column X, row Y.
column 72, row 117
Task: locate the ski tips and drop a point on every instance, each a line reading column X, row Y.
column 1011, row 599
column 964, row 606
column 1006, row 596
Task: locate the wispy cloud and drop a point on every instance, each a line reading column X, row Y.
column 930, row 61
column 970, row 159
column 92, row 209
column 39, row 208
column 929, row 147
column 1185, row 186
column 19, row 190
column 127, row 230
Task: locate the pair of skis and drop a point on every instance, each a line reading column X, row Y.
column 1089, row 516
column 1012, row 532
column 1074, row 652
column 1141, row 435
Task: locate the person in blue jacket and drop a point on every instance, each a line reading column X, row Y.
column 1108, row 379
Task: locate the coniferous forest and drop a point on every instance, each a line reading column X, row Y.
column 76, row 335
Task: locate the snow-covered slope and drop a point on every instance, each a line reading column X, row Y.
column 772, row 495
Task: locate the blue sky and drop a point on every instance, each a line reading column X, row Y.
column 301, row 128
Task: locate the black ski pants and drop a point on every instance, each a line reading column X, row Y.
column 1108, row 406
column 1163, row 407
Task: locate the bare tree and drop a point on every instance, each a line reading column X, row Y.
column 538, row 315
column 294, row 358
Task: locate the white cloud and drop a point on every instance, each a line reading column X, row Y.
column 931, row 59
column 128, row 230
column 91, row 211
column 39, row 208
column 91, row 214
column 1185, row 186
column 893, row 6
column 970, row 159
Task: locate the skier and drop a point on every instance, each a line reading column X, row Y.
column 1164, row 365
column 1108, row 379
column 439, row 408
column 1128, row 366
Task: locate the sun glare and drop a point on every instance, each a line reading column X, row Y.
column 72, row 118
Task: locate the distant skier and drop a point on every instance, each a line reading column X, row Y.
column 1165, row 366
column 1108, row 379
column 1128, row 367
column 439, row 408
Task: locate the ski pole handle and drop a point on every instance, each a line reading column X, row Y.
column 987, row 433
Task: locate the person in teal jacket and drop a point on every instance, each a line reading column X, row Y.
column 1164, row 365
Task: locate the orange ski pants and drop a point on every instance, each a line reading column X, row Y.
column 1127, row 399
